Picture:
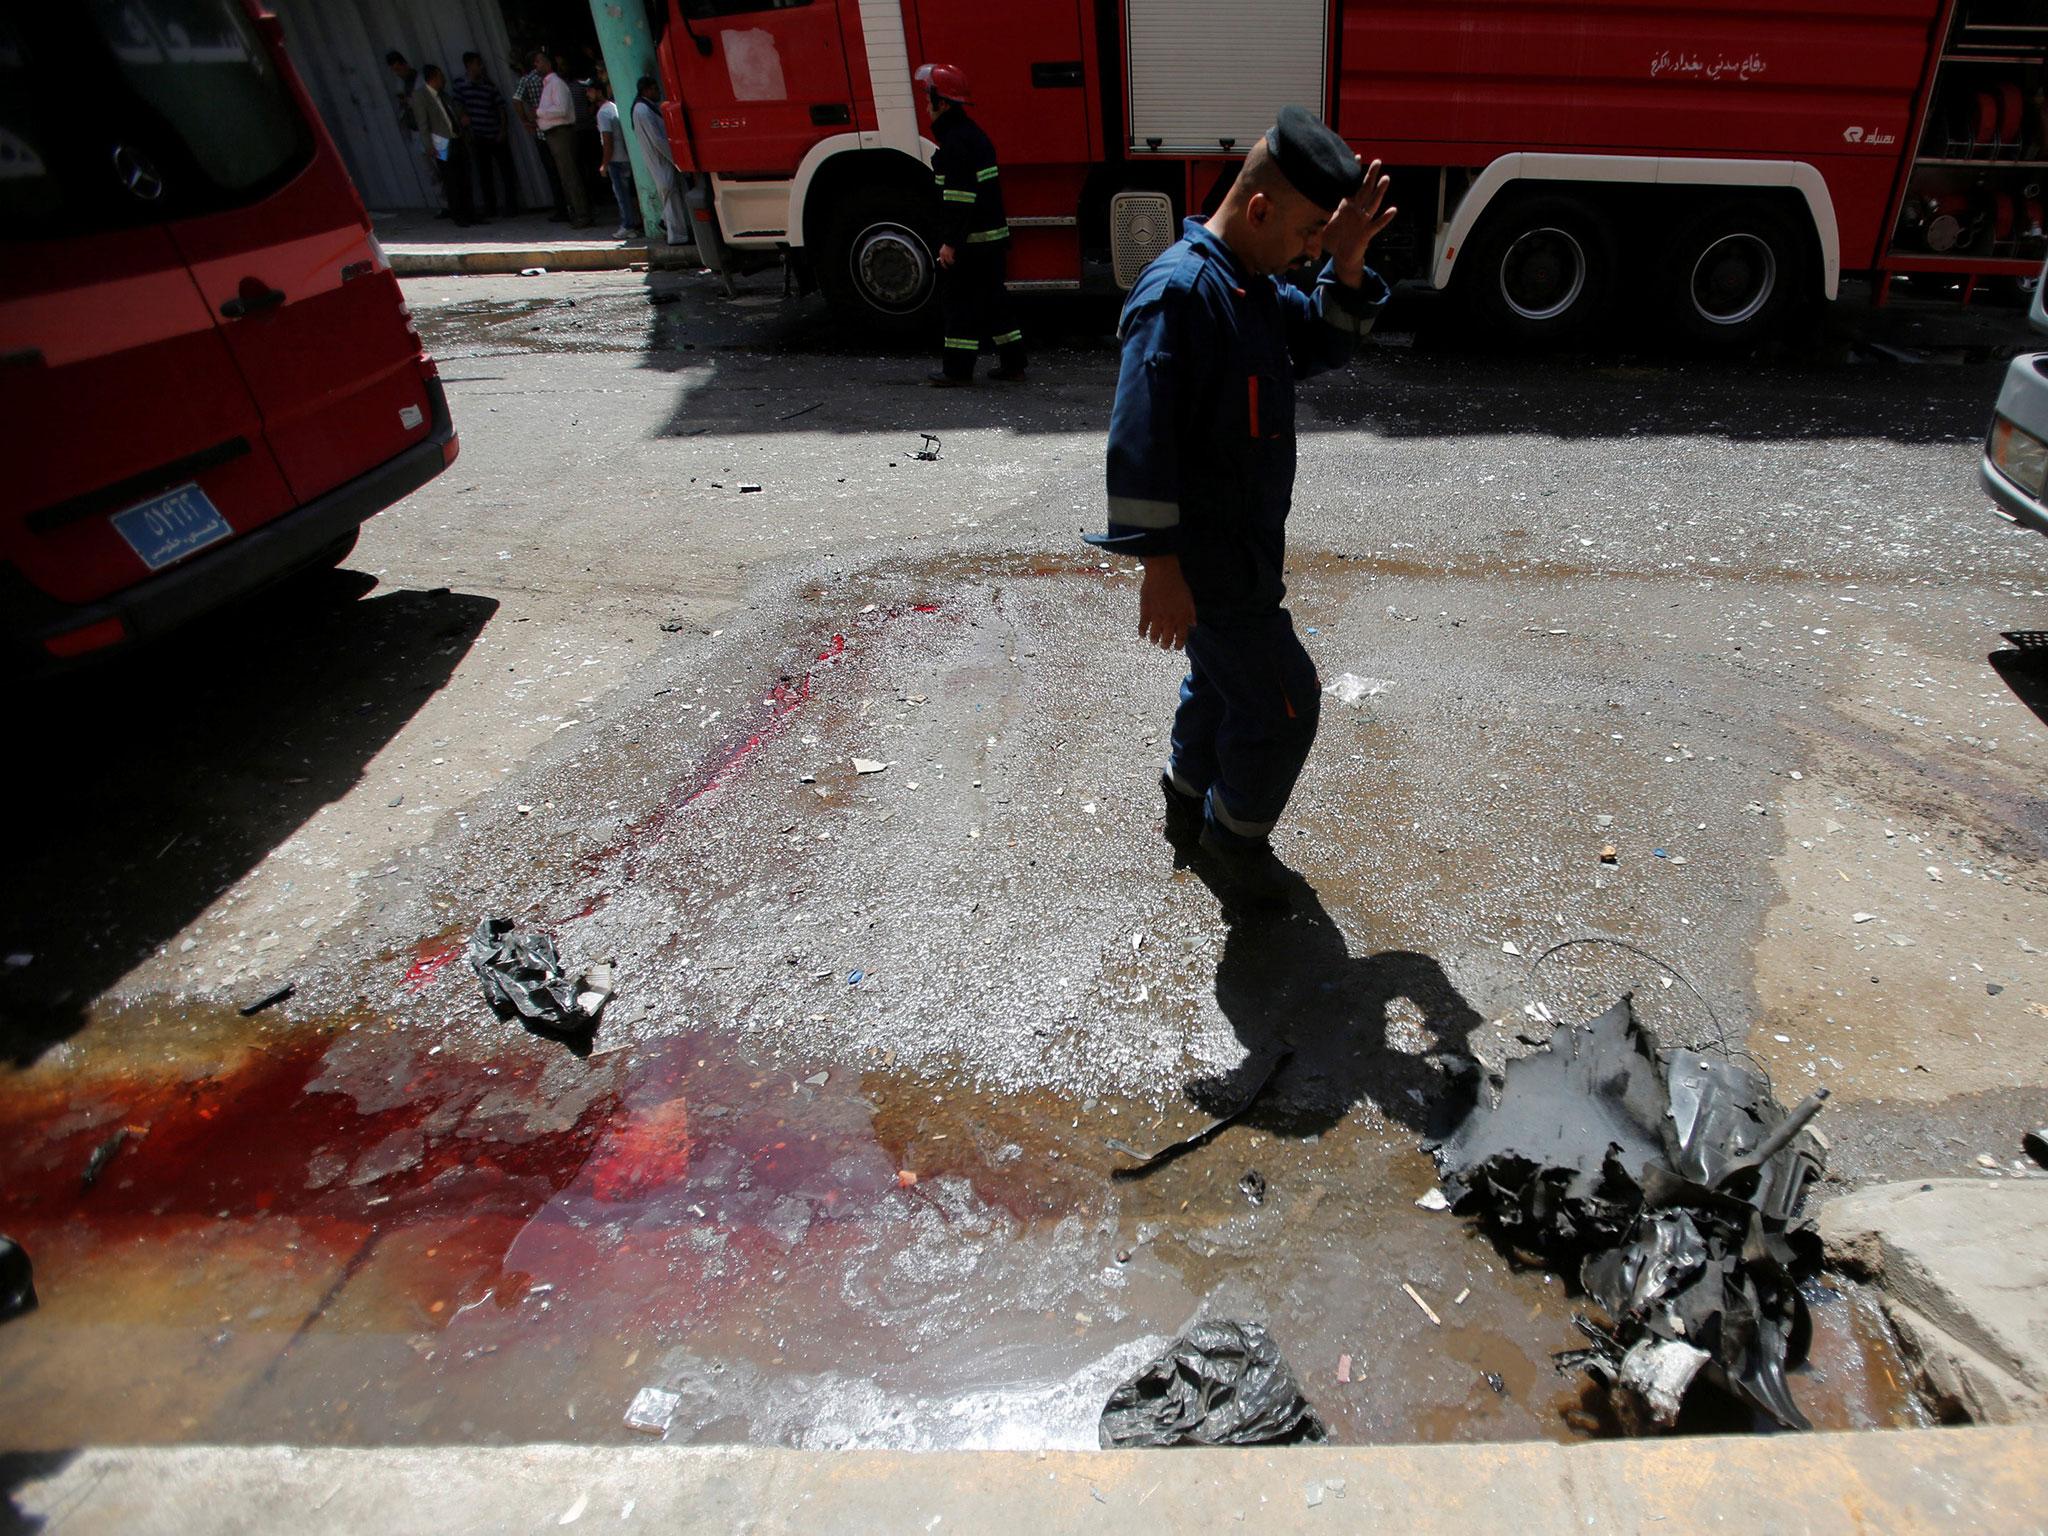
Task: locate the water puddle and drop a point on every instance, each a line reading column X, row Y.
column 339, row 1239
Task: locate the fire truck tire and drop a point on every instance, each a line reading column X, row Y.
column 881, row 264
column 1538, row 271
column 1729, row 274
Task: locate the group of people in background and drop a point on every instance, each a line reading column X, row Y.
column 464, row 131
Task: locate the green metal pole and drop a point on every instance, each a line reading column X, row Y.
column 628, row 48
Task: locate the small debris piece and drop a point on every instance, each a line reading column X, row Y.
column 905, row 1178
column 819, row 1079
column 596, row 989
column 1352, row 689
column 1254, row 1186
column 1435, row 1200
column 1427, row 1310
column 1220, row 1383
column 1661, row 1371
column 1493, row 1380
column 1510, row 947
column 855, row 978
column 1148, row 1161
column 1986, row 1160
column 746, row 489
column 269, row 999
column 1863, row 917
column 1344, row 1368
column 652, row 1410
column 522, row 978
column 867, row 765
column 1314, row 1494
column 929, row 453
column 17, row 1280
column 575, row 1511
column 1459, row 1299
column 1610, row 855
column 533, row 271
column 102, row 1155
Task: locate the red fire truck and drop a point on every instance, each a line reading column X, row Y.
column 1720, row 162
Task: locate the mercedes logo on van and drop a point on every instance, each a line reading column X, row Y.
column 137, row 174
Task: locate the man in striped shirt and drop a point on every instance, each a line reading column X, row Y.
column 490, row 144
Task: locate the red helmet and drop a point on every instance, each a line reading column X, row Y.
column 947, row 80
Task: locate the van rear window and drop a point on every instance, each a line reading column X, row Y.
column 115, row 113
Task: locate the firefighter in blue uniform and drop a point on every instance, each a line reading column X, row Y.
column 1201, row 470
column 974, row 236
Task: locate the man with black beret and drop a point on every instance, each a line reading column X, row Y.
column 1201, row 470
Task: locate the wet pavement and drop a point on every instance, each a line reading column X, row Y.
column 835, row 1168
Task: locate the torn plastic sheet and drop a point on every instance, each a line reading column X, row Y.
column 1668, row 1182
column 1220, row 1383
column 522, row 978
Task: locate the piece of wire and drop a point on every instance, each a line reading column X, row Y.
column 1720, row 1029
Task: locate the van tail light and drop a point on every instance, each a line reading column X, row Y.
column 450, row 450
column 91, row 637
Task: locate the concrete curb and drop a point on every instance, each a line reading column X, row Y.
column 1989, row 1479
column 471, row 260
column 1964, row 1266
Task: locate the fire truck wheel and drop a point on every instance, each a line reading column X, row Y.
column 1539, row 269
column 1728, row 275
column 880, row 268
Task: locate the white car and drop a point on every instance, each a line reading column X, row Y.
column 2014, row 470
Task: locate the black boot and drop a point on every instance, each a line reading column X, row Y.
column 1183, row 815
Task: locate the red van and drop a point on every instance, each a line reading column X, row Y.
column 208, row 376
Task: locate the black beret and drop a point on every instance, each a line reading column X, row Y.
column 1310, row 154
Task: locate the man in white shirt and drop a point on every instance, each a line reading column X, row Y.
column 555, row 117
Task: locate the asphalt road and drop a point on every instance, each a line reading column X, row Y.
column 834, row 1170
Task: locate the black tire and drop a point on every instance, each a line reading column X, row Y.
column 1728, row 276
column 1538, row 271
column 880, row 266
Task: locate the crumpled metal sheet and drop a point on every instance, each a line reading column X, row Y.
column 1220, row 1383
column 1554, row 1168
column 522, row 977
column 1603, row 1158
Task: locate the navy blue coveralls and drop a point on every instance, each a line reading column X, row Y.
column 1201, row 465
column 972, row 296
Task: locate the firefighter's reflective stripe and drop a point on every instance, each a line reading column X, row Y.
column 954, row 195
column 987, row 173
column 1237, row 824
column 961, row 344
column 984, row 236
column 1008, row 337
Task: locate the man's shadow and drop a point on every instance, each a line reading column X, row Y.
column 1290, row 986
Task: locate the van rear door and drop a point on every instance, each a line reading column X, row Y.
column 276, row 240
column 113, row 374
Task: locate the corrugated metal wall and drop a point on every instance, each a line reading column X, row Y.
column 338, row 46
